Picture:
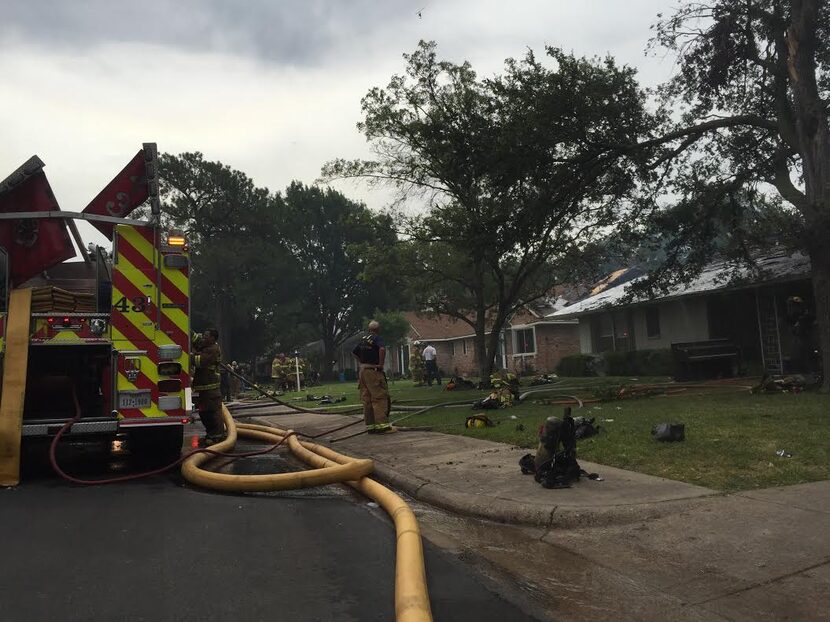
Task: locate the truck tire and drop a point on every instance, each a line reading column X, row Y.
column 156, row 444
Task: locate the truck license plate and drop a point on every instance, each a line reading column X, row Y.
column 134, row 399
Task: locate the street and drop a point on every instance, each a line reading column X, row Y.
column 157, row 549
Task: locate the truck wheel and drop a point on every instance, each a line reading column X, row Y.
column 162, row 444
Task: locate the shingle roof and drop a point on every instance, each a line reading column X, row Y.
column 437, row 328
column 716, row 276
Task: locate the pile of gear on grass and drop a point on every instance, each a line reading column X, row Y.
column 554, row 465
column 323, row 399
column 791, row 383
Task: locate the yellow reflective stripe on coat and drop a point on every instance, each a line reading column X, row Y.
column 205, row 387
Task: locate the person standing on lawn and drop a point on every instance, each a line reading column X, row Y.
column 374, row 392
column 431, row 364
column 416, row 365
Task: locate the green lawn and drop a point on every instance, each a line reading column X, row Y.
column 731, row 435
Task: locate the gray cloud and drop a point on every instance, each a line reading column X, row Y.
column 297, row 32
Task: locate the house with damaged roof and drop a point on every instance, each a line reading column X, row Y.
column 727, row 320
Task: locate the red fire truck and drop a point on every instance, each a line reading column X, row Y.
column 109, row 336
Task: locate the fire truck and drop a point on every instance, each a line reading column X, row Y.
column 108, row 336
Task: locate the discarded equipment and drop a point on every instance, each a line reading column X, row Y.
column 585, row 428
column 669, row 432
column 555, row 465
column 479, row 421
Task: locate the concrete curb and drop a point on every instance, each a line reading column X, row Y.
column 536, row 515
column 508, row 511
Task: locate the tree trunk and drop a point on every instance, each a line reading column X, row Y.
column 483, row 362
column 814, row 138
column 820, row 260
column 495, row 333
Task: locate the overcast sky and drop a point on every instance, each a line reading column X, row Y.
column 271, row 87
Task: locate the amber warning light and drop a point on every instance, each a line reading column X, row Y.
column 176, row 239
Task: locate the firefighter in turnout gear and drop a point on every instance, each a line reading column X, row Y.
column 206, row 359
column 374, row 392
column 279, row 372
column 416, row 364
column 505, row 386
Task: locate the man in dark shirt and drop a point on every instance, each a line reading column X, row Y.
column 374, row 392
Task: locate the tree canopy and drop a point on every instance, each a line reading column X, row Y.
column 518, row 172
column 331, row 237
column 234, row 232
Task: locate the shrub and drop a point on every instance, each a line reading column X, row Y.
column 639, row 363
column 577, row 365
column 619, row 363
column 655, row 363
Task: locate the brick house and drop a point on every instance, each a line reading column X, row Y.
column 531, row 342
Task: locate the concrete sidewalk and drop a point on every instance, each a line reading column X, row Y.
column 480, row 478
column 630, row 547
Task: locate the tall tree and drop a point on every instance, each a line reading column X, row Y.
column 241, row 268
column 753, row 86
column 515, row 171
column 333, row 239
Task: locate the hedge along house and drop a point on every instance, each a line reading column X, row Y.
column 758, row 315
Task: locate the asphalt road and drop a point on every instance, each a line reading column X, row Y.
column 160, row 550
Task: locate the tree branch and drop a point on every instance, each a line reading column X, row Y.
column 708, row 126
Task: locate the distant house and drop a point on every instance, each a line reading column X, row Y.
column 754, row 314
column 531, row 342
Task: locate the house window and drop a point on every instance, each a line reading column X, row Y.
column 452, row 348
column 464, row 346
column 604, row 333
column 653, row 322
column 525, row 341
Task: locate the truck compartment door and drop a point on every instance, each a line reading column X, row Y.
column 134, row 287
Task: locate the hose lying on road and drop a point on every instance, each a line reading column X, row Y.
column 324, row 471
column 411, row 596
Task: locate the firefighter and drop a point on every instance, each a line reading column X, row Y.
column 235, row 383
column 374, row 392
column 206, row 360
column 279, row 373
column 275, row 373
column 506, row 386
column 225, row 384
column 416, row 364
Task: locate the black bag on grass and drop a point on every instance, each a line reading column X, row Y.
column 488, row 403
column 669, row 432
column 585, row 427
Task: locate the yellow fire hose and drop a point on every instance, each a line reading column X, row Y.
column 411, row 596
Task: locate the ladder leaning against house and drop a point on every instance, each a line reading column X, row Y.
column 769, row 332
